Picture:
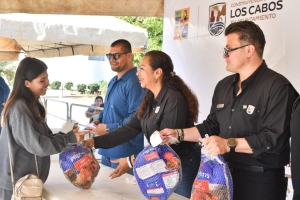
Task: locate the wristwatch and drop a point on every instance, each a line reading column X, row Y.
column 107, row 129
column 231, row 142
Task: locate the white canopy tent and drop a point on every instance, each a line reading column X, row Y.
column 85, row 7
column 44, row 35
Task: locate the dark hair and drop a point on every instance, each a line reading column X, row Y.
column 28, row 69
column 159, row 59
column 249, row 32
column 99, row 97
column 125, row 45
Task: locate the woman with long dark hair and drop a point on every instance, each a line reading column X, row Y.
column 25, row 130
column 168, row 102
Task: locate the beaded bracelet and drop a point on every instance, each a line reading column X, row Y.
column 182, row 135
column 178, row 134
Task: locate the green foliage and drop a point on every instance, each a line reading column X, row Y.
column 8, row 70
column 81, row 88
column 69, row 85
column 55, row 85
column 154, row 26
column 93, row 87
column 103, row 87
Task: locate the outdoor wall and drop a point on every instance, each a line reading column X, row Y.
column 198, row 57
column 78, row 69
column 197, row 50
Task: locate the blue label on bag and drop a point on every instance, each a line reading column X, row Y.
column 157, row 171
column 71, row 155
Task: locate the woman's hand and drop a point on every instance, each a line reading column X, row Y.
column 79, row 133
column 122, row 168
column 166, row 133
column 89, row 143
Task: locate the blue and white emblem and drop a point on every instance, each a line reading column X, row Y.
column 217, row 19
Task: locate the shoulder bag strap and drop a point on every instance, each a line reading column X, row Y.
column 12, row 171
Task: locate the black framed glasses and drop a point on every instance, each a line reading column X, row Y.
column 226, row 51
column 115, row 55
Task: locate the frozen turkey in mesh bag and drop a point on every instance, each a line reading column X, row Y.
column 213, row 181
column 158, row 171
column 79, row 165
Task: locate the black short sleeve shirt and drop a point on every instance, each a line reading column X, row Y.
column 260, row 113
column 168, row 110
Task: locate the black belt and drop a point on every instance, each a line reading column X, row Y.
column 249, row 168
column 253, row 169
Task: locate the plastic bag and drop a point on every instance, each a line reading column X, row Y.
column 213, row 181
column 79, row 165
column 158, row 171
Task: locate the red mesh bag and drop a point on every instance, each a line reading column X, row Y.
column 79, row 165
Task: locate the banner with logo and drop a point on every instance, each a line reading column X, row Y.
column 199, row 58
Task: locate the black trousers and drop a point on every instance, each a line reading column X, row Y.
column 270, row 184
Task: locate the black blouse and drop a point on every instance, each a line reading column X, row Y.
column 168, row 110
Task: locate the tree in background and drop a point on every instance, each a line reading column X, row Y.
column 103, row 87
column 55, row 85
column 8, row 70
column 154, row 26
column 69, row 85
column 93, row 87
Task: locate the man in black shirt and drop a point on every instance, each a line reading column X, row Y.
column 295, row 149
column 249, row 121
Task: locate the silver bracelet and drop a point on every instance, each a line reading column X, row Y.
column 128, row 161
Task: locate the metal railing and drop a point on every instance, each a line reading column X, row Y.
column 80, row 105
column 69, row 109
column 67, row 106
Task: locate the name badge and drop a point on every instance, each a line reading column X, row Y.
column 221, row 105
column 157, row 109
column 250, row 109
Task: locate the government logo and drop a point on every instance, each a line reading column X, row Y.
column 217, row 18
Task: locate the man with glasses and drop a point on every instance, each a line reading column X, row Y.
column 123, row 97
column 249, row 121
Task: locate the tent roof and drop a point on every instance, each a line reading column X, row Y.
column 153, row 8
column 42, row 35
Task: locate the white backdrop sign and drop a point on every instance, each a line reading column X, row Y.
column 198, row 59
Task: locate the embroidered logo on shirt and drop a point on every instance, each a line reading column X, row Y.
column 250, row 109
column 220, row 105
column 157, row 109
column 244, row 107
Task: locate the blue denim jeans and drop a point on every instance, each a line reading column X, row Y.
column 190, row 166
column 106, row 161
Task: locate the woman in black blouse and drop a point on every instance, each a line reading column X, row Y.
column 168, row 102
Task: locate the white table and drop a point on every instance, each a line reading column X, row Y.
column 57, row 187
